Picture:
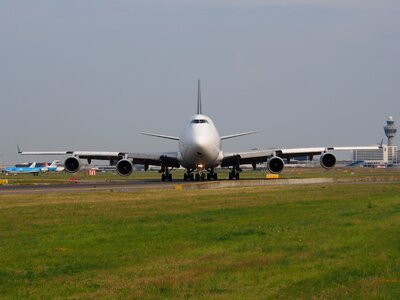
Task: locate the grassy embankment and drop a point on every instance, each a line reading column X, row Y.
column 323, row 241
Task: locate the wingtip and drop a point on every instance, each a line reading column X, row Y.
column 18, row 149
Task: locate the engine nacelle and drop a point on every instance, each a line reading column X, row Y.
column 72, row 164
column 124, row 167
column 327, row 160
column 275, row 165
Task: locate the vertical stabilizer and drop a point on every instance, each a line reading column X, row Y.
column 54, row 164
column 199, row 108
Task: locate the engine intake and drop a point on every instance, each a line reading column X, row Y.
column 327, row 160
column 124, row 167
column 275, row 165
column 72, row 164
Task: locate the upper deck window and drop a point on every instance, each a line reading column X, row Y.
column 199, row 121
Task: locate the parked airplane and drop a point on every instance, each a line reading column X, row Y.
column 53, row 167
column 199, row 153
column 32, row 169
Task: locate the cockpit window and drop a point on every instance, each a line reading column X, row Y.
column 199, row 121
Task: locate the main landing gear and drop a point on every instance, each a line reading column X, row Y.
column 200, row 176
column 212, row 175
column 166, row 174
column 234, row 173
column 188, row 176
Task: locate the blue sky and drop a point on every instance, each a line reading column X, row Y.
column 91, row 75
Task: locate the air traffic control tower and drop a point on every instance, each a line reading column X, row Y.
column 386, row 156
column 390, row 130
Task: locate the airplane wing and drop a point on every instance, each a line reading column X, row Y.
column 259, row 156
column 243, row 158
column 300, row 152
column 100, row 155
column 168, row 159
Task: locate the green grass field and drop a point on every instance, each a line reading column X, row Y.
column 321, row 241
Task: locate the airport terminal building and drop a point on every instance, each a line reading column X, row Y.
column 388, row 155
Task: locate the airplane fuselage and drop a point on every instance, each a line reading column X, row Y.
column 200, row 144
column 21, row 170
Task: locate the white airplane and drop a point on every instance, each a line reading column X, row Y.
column 53, row 167
column 199, row 153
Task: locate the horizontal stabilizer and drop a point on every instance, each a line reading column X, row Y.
column 237, row 135
column 162, row 136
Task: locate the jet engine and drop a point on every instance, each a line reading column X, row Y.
column 72, row 164
column 124, row 167
column 275, row 165
column 327, row 160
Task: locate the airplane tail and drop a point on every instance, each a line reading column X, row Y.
column 33, row 165
column 54, row 164
column 199, row 108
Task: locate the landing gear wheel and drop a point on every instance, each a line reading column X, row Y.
column 197, row 177
column 203, row 176
column 191, row 177
column 209, row 176
column 234, row 175
column 215, row 176
column 185, row 177
column 162, row 177
column 169, row 177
